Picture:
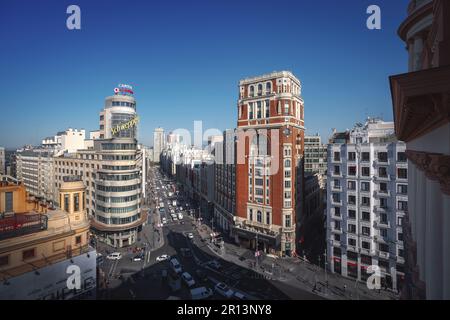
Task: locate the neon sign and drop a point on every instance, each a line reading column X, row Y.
column 125, row 126
column 124, row 90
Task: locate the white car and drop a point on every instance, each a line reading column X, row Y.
column 164, row 220
column 224, row 290
column 187, row 278
column 190, row 235
column 163, row 257
column 114, row 256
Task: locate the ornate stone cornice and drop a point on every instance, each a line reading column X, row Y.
column 421, row 101
column 436, row 167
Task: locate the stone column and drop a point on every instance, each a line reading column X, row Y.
column 420, row 221
column 433, row 240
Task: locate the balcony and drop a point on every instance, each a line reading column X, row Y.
column 381, row 224
column 384, row 255
column 336, row 188
column 22, row 224
column 381, row 193
column 400, row 259
column 380, row 209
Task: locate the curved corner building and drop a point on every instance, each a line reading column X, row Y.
column 118, row 218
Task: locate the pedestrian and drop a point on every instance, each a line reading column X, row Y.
column 345, row 287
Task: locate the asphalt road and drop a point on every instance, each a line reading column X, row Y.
column 143, row 279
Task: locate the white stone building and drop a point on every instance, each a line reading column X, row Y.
column 367, row 185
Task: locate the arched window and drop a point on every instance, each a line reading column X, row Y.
column 259, row 217
column 250, row 215
column 252, row 91
column 260, row 89
column 267, row 217
column 268, row 88
column 287, row 163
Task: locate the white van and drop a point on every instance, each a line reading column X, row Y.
column 176, row 267
column 180, row 216
column 201, row 293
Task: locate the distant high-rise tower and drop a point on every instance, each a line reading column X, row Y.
column 269, row 170
column 158, row 143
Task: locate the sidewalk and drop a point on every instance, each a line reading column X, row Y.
column 297, row 272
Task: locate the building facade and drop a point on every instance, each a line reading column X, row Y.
column 421, row 113
column 225, row 183
column 35, row 168
column 367, row 203
column 38, row 244
column 315, row 155
column 269, row 166
column 2, row 161
column 113, row 171
column 158, row 144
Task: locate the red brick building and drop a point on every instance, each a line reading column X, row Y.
column 269, row 170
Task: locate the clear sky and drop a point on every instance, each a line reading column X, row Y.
column 185, row 58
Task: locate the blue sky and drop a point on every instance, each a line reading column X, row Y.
column 185, row 58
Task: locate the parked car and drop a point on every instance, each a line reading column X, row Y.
column 201, row 293
column 222, row 289
column 114, row 256
column 188, row 280
column 176, row 267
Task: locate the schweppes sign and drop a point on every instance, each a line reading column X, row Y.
column 125, row 126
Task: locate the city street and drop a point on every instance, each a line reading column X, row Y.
column 270, row 278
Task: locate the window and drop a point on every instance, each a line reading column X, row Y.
column 66, row 202
column 287, row 194
column 383, row 203
column 351, row 199
column 337, row 156
column 267, row 217
column 365, row 216
column 352, row 171
column 352, row 228
column 351, row 185
column 365, row 186
column 382, row 156
column 250, row 214
column 76, row 201
column 383, row 247
column 337, row 237
column 259, row 110
column 78, row 240
column 365, row 156
column 351, row 242
column 252, row 91
column 402, row 205
column 401, row 157
column 337, row 183
column 402, row 189
column 383, row 187
column 336, row 197
column 250, row 110
column 259, row 217
column 383, row 233
column 28, row 254
column 287, row 163
column 287, row 183
column 268, row 88
column 383, row 218
column 260, row 89
column 337, row 225
column 337, row 170
column 400, row 236
column 365, row 231
column 365, row 171
column 267, row 108
column 402, row 173
column 9, row 206
column 287, row 173
column 287, row 221
column 286, row 108
column 382, row 172
column 351, row 156
column 337, row 211
column 352, row 214
column 365, row 201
